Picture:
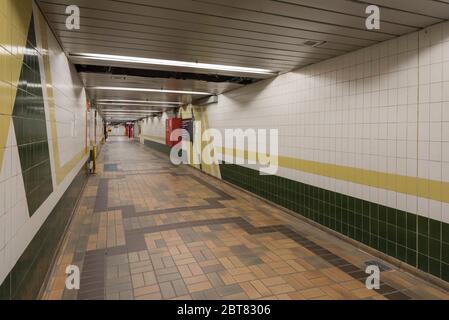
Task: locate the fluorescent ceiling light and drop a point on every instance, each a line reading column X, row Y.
column 135, row 104
column 128, row 114
column 103, row 101
column 122, row 117
column 174, row 63
column 150, row 90
column 130, row 111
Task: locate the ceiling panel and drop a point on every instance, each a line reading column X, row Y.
column 237, row 32
column 268, row 34
column 431, row 8
column 215, row 45
column 357, row 8
column 221, row 27
column 306, row 13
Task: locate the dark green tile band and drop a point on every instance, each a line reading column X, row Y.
column 31, row 129
column 415, row 240
column 26, row 278
column 157, row 146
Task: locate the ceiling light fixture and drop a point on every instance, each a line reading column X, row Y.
column 136, row 104
column 104, row 101
column 174, row 63
column 151, row 90
column 122, row 114
column 121, row 110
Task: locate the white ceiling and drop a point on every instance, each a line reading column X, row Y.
column 267, row 34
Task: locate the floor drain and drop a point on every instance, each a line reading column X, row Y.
column 382, row 267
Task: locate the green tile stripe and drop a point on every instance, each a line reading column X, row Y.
column 157, row 146
column 418, row 241
column 26, row 278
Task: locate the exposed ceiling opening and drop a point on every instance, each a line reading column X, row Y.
column 123, row 73
column 273, row 35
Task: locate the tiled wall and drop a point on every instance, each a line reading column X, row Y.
column 158, row 146
column 95, row 134
column 154, row 128
column 363, row 144
column 117, row 131
column 30, row 127
column 42, row 146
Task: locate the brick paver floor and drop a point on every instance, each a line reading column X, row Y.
column 145, row 229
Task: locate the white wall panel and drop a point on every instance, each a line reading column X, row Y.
column 383, row 108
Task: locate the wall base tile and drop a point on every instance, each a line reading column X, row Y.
column 416, row 240
column 28, row 274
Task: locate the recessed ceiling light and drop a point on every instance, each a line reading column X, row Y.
column 151, row 90
column 162, row 62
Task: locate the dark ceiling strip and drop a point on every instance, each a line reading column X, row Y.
column 162, row 74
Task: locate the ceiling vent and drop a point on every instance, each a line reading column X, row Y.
column 313, row 43
column 116, row 77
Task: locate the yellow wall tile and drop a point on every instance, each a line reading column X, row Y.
column 5, row 67
column 13, row 34
column 5, row 32
column 5, row 98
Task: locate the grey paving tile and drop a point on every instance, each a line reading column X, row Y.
column 179, row 287
column 229, row 290
column 167, row 290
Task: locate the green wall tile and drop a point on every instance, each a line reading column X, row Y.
column 435, row 267
column 418, row 241
column 423, row 225
column 27, row 276
column 31, row 130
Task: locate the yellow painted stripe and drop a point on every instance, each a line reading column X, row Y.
column 424, row 188
column 61, row 170
column 201, row 113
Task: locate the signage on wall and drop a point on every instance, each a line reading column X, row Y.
column 187, row 125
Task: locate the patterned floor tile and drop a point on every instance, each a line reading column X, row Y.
column 146, row 229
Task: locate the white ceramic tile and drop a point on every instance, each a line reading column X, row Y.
column 445, row 212
column 435, row 210
column 17, row 228
column 445, row 171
